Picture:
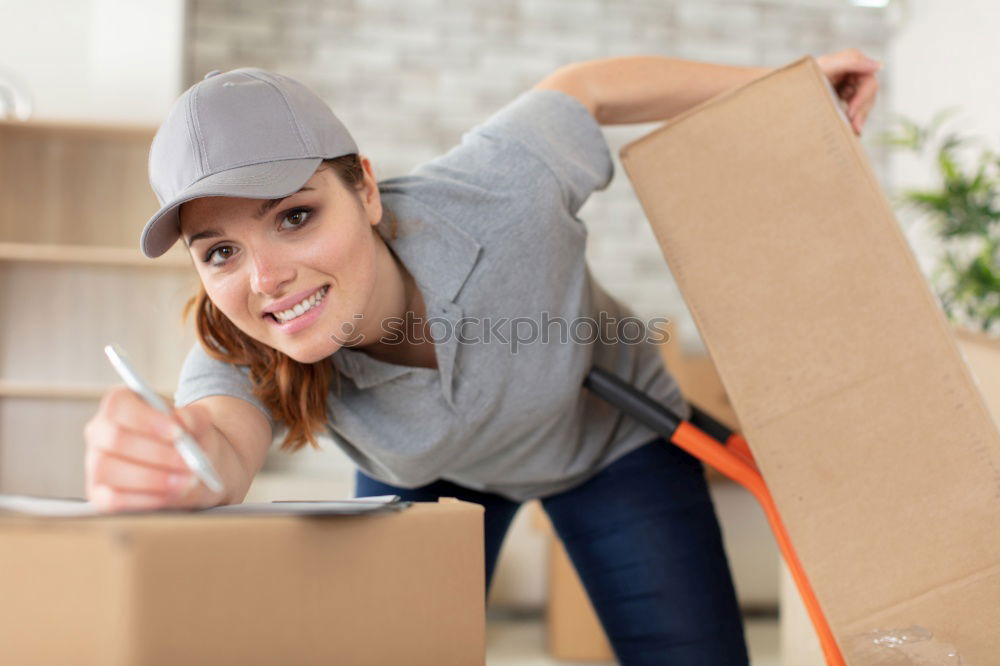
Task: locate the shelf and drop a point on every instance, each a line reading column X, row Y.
column 93, row 255
column 15, row 389
column 98, row 129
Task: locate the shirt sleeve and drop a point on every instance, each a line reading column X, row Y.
column 543, row 136
column 202, row 376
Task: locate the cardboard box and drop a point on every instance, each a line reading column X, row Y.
column 874, row 441
column 699, row 382
column 799, row 644
column 982, row 353
column 177, row 588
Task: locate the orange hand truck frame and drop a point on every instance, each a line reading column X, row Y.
column 727, row 451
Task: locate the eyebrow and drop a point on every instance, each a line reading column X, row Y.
column 265, row 207
column 271, row 203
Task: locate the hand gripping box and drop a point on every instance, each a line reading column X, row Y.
column 382, row 589
column 877, row 447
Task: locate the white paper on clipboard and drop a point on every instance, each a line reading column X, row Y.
column 74, row 507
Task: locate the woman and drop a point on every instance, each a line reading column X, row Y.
column 329, row 300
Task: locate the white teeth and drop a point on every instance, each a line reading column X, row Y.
column 301, row 308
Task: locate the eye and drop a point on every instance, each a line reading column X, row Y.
column 296, row 217
column 224, row 251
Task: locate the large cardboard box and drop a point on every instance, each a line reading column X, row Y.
column 876, row 445
column 699, row 382
column 799, row 644
column 174, row 588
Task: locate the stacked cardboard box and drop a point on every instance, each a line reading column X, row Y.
column 195, row 588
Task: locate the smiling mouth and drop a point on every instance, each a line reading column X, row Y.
column 302, row 307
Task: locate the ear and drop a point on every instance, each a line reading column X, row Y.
column 370, row 197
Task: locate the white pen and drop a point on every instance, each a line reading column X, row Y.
column 185, row 444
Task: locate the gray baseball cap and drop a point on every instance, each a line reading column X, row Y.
column 244, row 133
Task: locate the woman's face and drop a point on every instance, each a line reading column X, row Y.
column 291, row 274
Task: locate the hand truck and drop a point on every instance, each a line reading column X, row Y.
column 713, row 443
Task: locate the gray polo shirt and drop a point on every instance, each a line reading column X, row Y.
column 489, row 231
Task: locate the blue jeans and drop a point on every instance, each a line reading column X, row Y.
column 646, row 543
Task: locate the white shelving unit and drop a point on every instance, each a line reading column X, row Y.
column 73, row 199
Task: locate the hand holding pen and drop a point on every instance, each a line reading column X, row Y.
column 142, row 455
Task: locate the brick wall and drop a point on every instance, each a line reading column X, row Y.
column 409, row 76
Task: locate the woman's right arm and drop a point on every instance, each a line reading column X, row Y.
column 637, row 89
column 131, row 463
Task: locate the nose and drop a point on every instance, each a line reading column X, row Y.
column 270, row 274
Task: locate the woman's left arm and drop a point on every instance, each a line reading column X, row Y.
column 636, row 89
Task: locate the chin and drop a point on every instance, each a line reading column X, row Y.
column 310, row 354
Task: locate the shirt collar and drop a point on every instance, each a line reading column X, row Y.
column 440, row 256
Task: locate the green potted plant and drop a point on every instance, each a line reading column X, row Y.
column 964, row 210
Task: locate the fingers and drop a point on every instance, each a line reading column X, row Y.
column 109, row 499
column 849, row 61
column 137, row 447
column 853, row 76
column 131, row 462
column 105, row 469
column 860, row 105
column 115, row 484
column 125, row 408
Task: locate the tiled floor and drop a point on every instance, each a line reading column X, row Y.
column 521, row 642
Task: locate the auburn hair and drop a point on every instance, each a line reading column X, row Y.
column 295, row 393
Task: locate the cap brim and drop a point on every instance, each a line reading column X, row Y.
column 269, row 180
